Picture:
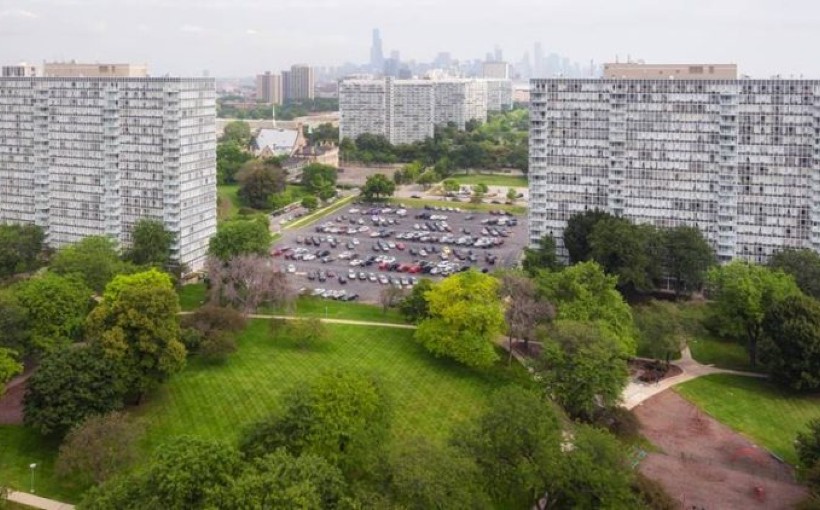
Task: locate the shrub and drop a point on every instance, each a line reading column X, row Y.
column 216, row 347
column 621, row 422
column 653, row 494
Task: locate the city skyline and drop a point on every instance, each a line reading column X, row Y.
column 232, row 38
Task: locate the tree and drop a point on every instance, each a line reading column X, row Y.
column 414, row 307
column 245, row 282
column 136, row 326
column 742, row 293
column 306, row 333
column 318, row 178
column 790, row 346
column 584, row 293
column 512, row 194
column 238, row 132
column 310, row 202
column 429, row 177
column 576, row 234
column 524, row 310
column 94, row 259
column 240, row 237
column 541, row 257
column 803, row 265
column 13, row 323
column 99, row 447
column 466, row 315
column 211, row 319
column 660, row 334
column 480, row 188
column 516, row 443
column 450, row 185
column 808, row 445
column 687, row 258
column 629, row 251
column 71, row 384
column 150, row 244
column 390, row 296
column 424, row 475
column 9, row 367
column 56, row 307
column 258, row 180
column 582, row 368
column 230, row 156
column 20, row 245
column 378, row 187
column 341, row 416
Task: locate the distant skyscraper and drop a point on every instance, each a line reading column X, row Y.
column 269, row 88
column 376, row 53
column 538, row 70
column 498, row 55
column 298, row 83
column 497, row 70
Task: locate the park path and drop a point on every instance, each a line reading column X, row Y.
column 637, row 392
column 24, row 498
column 328, row 321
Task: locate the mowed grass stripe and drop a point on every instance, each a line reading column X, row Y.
column 756, row 408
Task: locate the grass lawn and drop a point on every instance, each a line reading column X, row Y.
column 228, row 200
column 507, row 181
column 430, row 396
column 191, row 296
column 755, row 408
column 708, row 348
column 464, row 206
column 321, row 213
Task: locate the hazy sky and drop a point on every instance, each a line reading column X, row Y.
column 241, row 37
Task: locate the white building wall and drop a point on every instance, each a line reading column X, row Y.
column 362, row 108
column 410, row 114
column 499, row 95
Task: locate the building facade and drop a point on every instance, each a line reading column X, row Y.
column 269, row 88
column 81, row 70
column 496, row 70
column 499, row 95
column 362, row 108
column 21, row 70
column 735, row 158
column 641, row 71
column 92, row 156
column 298, row 83
column 411, row 110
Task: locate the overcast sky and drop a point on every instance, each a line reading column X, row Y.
column 242, row 37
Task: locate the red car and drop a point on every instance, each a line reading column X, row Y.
column 400, row 246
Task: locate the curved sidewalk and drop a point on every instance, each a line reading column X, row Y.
column 636, row 393
column 24, row 498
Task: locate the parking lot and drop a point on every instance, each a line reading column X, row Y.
column 363, row 248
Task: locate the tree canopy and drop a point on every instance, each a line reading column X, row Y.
column 150, row 244
column 791, row 345
column 576, row 234
column 378, row 187
column 542, row 257
column 660, row 333
column 20, row 247
column 414, row 306
column 629, row 251
column 240, row 237
column 9, row 367
column 803, row 265
column 56, row 307
column 465, row 317
column 238, row 132
column 258, row 181
column 95, row 259
column 320, row 180
column 230, row 156
column 687, row 257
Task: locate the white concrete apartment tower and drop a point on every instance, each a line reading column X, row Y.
column 92, row 156
column 735, row 158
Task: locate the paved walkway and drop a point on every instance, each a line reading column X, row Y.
column 24, row 498
column 637, row 392
column 328, row 321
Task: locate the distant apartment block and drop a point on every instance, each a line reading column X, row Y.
column 411, row 110
column 496, row 70
column 460, row 101
column 92, row 156
column 21, row 70
column 269, row 88
column 499, row 95
column 362, row 108
column 735, row 158
column 80, row 70
column 298, row 83
column 640, row 71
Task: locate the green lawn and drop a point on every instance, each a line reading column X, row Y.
column 755, row 408
column 465, row 206
column 507, row 181
column 191, row 296
column 228, row 201
column 431, row 396
column 708, row 348
column 321, row 213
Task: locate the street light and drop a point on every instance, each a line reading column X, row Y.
column 32, row 466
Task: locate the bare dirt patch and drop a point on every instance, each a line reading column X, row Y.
column 706, row 465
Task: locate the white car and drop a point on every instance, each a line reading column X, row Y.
column 291, row 268
column 353, row 211
column 383, row 279
column 364, row 228
column 372, row 277
column 355, row 241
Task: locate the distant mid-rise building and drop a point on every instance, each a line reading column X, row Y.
column 362, row 108
column 83, row 157
column 83, row 70
column 269, row 88
column 460, row 101
column 641, row 71
column 299, row 83
column 496, row 70
column 21, row 70
column 499, row 95
column 410, row 110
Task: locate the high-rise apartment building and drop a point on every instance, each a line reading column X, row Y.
column 21, row 70
column 298, row 83
column 362, row 108
column 496, row 70
column 411, row 110
column 269, row 88
column 735, row 158
column 460, row 101
column 376, row 52
column 499, row 95
column 81, row 70
column 92, row 156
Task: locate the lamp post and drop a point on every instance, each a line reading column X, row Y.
column 32, row 466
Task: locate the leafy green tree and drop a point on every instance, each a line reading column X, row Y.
column 310, row 202
column 240, row 237
column 584, row 293
column 687, row 258
column 428, row 178
column 99, row 447
column 742, row 294
column 450, row 185
column 71, row 384
column 516, row 442
column 466, row 316
column 378, row 187
column 150, row 244
column 631, row 252
column 324, row 133
column 660, row 331
column 803, row 265
column 542, row 257
column 414, row 307
column 424, row 475
column 95, row 259
column 317, row 178
column 20, row 245
column 341, row 416
column 481, row 188
column 808, row 444
column 576, row 234
column 9, row 367
column 136, row 326
column 258, row 180
column 306, row 333
column 237, row 132
column 230, row 156
column 56, row 307
column 13, row 323
column 581, row 366
column 512, row 194
column 790, row 347
column 524, row 310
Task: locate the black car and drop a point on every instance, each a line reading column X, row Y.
column 342, row 280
